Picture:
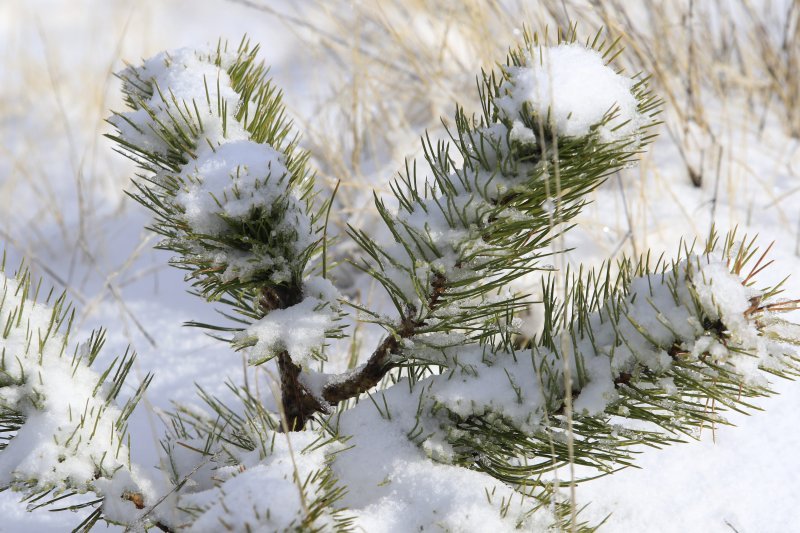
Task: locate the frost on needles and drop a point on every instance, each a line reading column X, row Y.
column 453, row 420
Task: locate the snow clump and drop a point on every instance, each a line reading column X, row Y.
column 575, row 87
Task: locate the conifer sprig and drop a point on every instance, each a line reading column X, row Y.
column 232, row 195
column 63, row 432
column 670, row 381
column 236, row 265
column 494, row 202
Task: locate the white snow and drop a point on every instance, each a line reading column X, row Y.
column 263, row 494
column 179, row 76
column 522, row 134
column 394, row 486
column 236, row 181
column 571, row 87
column 232, row 180
column 300, row 330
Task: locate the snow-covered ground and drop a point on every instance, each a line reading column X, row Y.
column 62, row 207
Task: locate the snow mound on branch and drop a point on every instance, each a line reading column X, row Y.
column 300, row 330
column 232, row 180
column 575, row 87
column 179, row 76
column 660, row 312
column 229, row 181
column 237, row 182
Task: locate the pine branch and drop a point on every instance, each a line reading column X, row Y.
column 655, row 345
column 247, row 237
column 57, row 444
column 524, row 176
column 366, row 377
column 228, row 187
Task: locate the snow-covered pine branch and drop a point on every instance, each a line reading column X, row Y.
column 62, row 432
column 648, row 348
column 507, row 186
column 229, row 189
column 232, row 195
column 453, row 420
column 470, row 447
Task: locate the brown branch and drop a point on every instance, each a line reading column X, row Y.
column 279, row 297
column 379, row 363
column 299, row 404
column 371, row 373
